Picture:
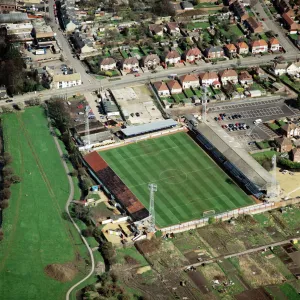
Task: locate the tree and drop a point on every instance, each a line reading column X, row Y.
column 5, row 194
column 87, row 232
column 20, row 106
column 86, row 183
column 108, row 252
column 7, row 171
column 298, row 102
column 33, row 102
column 97, row 233
column 74, row 173
column 81, row 171
column 57, row 111
column 81, row 212
column 15, row 179
column 6, row 183
column 1, row 235
column 267, row 164
column 7, row 109
column 4, row 204
column 211, row 220
column 7, row 158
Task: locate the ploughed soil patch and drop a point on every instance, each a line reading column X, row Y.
column 199, row 281
column 254, row 294
column 61, row 272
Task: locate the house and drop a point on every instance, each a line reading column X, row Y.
column 174, row 87
column 228, row 75
column 253, row 25
column 161, row 89
column 274, row 44
column 3, row 93
column 261, row 73
column 172, row 28
column 214, row 52
column 293, row 68
column 239, row 10
column 259, row 46
column 107, row 63
column 290, row 130
column 285, row 144
column 61, row 81
column 186, row 5
column 290, row 24
column 230, row 50
column 82, row 45
column 210, row 78
column 188, row 81
column 296, row 155
column 172, row 57
column 7, row 5
column 279, row 68
column 150, row 61
column 192, row 54
column 156, row 29
column 130, row 63
column 242, row 48
column 245, row 78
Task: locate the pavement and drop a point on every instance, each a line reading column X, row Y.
column 249, row 251
column 263, row 109
column 270, row 24
column 90, row 84
column 70, row 199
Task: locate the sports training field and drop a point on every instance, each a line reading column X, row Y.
column 35, row 234
column 188, row 181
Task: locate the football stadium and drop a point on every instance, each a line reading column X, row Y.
column 190, row 185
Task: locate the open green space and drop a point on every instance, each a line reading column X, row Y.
column 189, row 93
column 202, row 25
column 35, row 234
column 189, row 182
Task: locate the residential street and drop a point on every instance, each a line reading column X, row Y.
column 89, row 83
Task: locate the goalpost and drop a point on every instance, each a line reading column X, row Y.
column 209, row 213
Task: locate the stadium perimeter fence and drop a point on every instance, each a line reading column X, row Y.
column 249, row 210
column 135, row 139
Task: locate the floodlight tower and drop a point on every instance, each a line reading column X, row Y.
column 204, row 102
column 87, row 125
column 273, row 193
column 153, row 188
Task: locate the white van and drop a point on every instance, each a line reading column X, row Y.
column 257, row 121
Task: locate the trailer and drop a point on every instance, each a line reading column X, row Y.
column 40, row 51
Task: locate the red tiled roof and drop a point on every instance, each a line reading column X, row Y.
column 173, row 84
column 259, row 43
column 273, row 41
column 193, row 51
column 209, row 75
column 160, row 86
column 188, row 77
column 242, row 45
column 95, row 161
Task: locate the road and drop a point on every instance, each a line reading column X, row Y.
column 89, row 83
column 71, row 197
column 249, row 251
column 270, row 24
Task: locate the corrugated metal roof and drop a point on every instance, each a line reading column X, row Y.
column 140, row 129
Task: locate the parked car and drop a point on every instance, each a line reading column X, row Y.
column 9, row 100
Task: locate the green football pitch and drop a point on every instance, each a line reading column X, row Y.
column 189, row 182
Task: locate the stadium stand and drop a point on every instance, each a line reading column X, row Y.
column 131, row 131
column 109, row 179
column 239, row 176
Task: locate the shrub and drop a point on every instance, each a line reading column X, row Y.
column 4, row 204
column 7, row 171
column 5, row 194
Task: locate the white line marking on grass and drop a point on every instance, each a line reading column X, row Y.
column 162, row 179
column 148, row 154
column 197, row 200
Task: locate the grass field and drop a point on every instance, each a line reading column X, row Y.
column 188, row 181
column 35, row 233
